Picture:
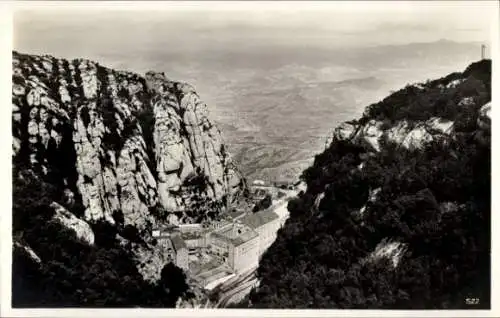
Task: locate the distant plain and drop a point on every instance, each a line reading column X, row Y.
column 275, row 100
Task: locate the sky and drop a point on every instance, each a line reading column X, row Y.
column 209, row 26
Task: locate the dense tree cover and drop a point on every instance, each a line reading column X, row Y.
column 200, row 207
column 72, row 273
column 263, row 204
column 436, row 200
column 436, row 98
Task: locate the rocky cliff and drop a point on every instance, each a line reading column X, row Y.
column 120, row 148
column 422, row 112
column 138, row 142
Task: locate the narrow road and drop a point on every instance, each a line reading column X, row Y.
column 241, row 290
column 233, row 283
column 237, row 294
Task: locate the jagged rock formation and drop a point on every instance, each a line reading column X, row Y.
column 68, row 220
column 403, row 133
column 124, row 149
column 389, row 250
column 421, row 112
column 102, row 110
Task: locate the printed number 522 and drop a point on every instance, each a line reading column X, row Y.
column 472, row 301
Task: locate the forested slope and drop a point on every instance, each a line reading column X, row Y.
column 397, row 209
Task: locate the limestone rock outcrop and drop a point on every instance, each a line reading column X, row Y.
column 82, row 229
column 136, row 141
column 484, row 120
column 408, row 133
column 186, row 143
column 29, row 251
column 402, row 133
column 391, row 250
column 126, row 150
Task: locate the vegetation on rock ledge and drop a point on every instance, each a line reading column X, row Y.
column 72, row 273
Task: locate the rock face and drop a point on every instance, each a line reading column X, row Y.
column 29, row 251
column 67, row 219
column 130, row 150
column 484, row 120
column 413, row 133
column 403, row 133
column 186, row 142
column 136, row 141
column 387, row 249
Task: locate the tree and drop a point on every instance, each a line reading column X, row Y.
column 263, row 204
column 173, row 280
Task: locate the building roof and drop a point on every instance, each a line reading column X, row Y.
column 244, row 237
column 258, row 219
column 218, row 225
column 164, row 231
column 199, row 268
column 168, row 227
column 228, row 234
column 283, row 182
column 190, row 227
column 258, row 182
column 191, row 236
column 236, row 214
column 167, row 244
column 177, row 242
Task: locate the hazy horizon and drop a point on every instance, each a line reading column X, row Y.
column 269, row 70
column 121, row 37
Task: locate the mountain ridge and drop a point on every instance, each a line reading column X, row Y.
column 107, row 113
column 397, row 210
column 100, row 159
